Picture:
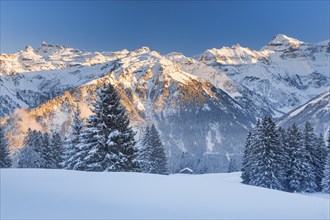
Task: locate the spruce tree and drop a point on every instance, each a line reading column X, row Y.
column 5, row 160
column 29, row 156
column 269, row 156
column 253, row 162
column 287, row 156
column 71, row 145
column 326, row 176
column 47, row 152
column 107, row 143
column 320, row 155
column 144, row 154
column 323, row 149
column 315, row 155
column 247, row 158
column 302, row 178
column 56, row 147
column 326, row 168
column 158, row 157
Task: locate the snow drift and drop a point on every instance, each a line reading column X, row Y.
column 62, row 194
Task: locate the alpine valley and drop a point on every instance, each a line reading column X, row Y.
column 203, row 106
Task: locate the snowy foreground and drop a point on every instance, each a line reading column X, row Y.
column 57, row 194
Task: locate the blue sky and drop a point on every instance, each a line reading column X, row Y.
column 189, row 27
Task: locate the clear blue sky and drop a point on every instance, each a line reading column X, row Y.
column 189, row 27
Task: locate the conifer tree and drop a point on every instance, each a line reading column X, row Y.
column 144, row 154
column 326, row 175
column 29, row 155
column 107, row 143
column 47, row 152
column 302, row 178
column 287, row 156
column 247, row 159
column 269, row 156
column 56, row 147
column 315, row 155
column 5, row 160
column 152, row 158
column 252, row 162
column 323, row 149
column 158, row 157
column 319, row 156
column 326, row 168
column 71, row 145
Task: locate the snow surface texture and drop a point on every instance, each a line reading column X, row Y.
column 62, row 194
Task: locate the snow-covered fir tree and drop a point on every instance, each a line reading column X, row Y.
column 268, row 156
column 56, row 146
column 311, row 144
column 287, row 156
column 71, row 145
column 29, row 156
column 41, row 150
column 321, row 155
column 144, row 154
column 326, row 175
column 247, row 159
column 303, row 177
column 107, row 142
column 47, row 152
column 323, row 148
column 326, row 169
column 5, row 160
column 159, row 160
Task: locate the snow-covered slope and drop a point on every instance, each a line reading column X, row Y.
column 316, row 111
column 62, row 194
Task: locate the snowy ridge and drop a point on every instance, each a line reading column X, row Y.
column 316, row 111
column 50, row 57
column 284, row 74
column 282, row 41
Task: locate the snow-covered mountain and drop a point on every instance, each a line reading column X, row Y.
column 281, row 76
column 197, row 120
column 203, row 106
column 50, row 57
column 316, row 111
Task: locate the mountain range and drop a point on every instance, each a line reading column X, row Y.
column 203, row 106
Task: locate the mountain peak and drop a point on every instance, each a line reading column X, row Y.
column 143, row 49
column 236, row 46
column 49, row 45
column 28, row 48
column 283, row 40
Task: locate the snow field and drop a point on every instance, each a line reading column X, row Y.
column 63, row 194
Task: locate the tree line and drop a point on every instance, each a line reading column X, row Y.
column 290, row 159
column 105, row 142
